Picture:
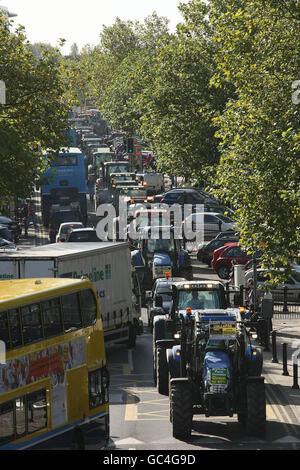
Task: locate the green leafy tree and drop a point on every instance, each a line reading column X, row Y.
column 34, row 116
column 258, row 53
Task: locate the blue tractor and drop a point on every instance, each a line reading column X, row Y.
column 161, row 255
column 185, row 294
column 214, row 370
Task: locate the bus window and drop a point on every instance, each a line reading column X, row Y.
column 15, row 329
column 71, row 311
column 4, row 335
column 20, row 417
column 6, row 422
column 37, row 411
column 89, row 307
column 31, row 322
column 52, row 318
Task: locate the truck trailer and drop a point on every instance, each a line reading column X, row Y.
column 107, row 265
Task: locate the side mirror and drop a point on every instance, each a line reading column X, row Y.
column 148, row 296
column 158, row 301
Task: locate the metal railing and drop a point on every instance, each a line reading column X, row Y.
column 286, row 301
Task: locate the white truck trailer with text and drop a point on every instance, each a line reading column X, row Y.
column 108, row 265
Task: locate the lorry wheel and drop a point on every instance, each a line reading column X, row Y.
column 256, row 409
column 162, row 371
column 131, row 337
column 181, row 410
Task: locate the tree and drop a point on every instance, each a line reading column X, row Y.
column 259, row 170
column 179, row 107
column 34, row 117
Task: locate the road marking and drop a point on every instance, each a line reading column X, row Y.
column 130, row 409
column 282, row 412
column 270, row 414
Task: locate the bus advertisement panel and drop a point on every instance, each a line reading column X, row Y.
column 55, row 377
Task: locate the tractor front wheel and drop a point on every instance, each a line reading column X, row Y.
column 256, row 409
column 181, row 409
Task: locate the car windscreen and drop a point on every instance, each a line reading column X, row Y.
column 224, row 218
column 84, row 237
column 296, row 274
column 66, row 228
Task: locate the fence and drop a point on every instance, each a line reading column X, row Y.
column 286, row 301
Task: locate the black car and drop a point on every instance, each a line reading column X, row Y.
column 182, row 196
column 228, row 234
column 13, row 226
column 59, row 217
column 82, row 235
column 205, row 252
column 5, row 233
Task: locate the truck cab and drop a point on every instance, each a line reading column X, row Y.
column 98, row 158
column 104, row 193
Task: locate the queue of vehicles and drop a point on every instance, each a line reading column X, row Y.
column 79, row 294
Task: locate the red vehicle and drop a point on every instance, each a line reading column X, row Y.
column 224, row 256
column 218, row 252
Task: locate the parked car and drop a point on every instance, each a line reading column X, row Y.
column 5, row 233
column 160, row 298
column 82, row 235
column 64, row 228
column 205, row 252
column 207, row 197
column 219, row 209
column 211, row 223
column 13, row 226
column 182, row 196
column 228, row 234
column 222, row 260
column 292, row 283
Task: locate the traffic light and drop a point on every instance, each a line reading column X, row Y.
column 130, row 145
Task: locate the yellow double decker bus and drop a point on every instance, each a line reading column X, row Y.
column 54, row 379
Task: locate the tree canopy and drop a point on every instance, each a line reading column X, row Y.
column 34, row 116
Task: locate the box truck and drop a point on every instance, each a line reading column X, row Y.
column 107, row 265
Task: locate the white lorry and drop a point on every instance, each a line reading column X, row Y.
column 108, row 265
column 153, row 182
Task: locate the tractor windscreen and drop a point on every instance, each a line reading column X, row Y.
column 199, row 300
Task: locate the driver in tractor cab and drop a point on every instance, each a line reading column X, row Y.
column 195, row 303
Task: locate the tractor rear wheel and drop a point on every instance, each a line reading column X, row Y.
column 162, row 371
column 181, row 409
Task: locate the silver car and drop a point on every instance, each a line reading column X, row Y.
column 292, row 284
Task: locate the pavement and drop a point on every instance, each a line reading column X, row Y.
column 282, row 381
